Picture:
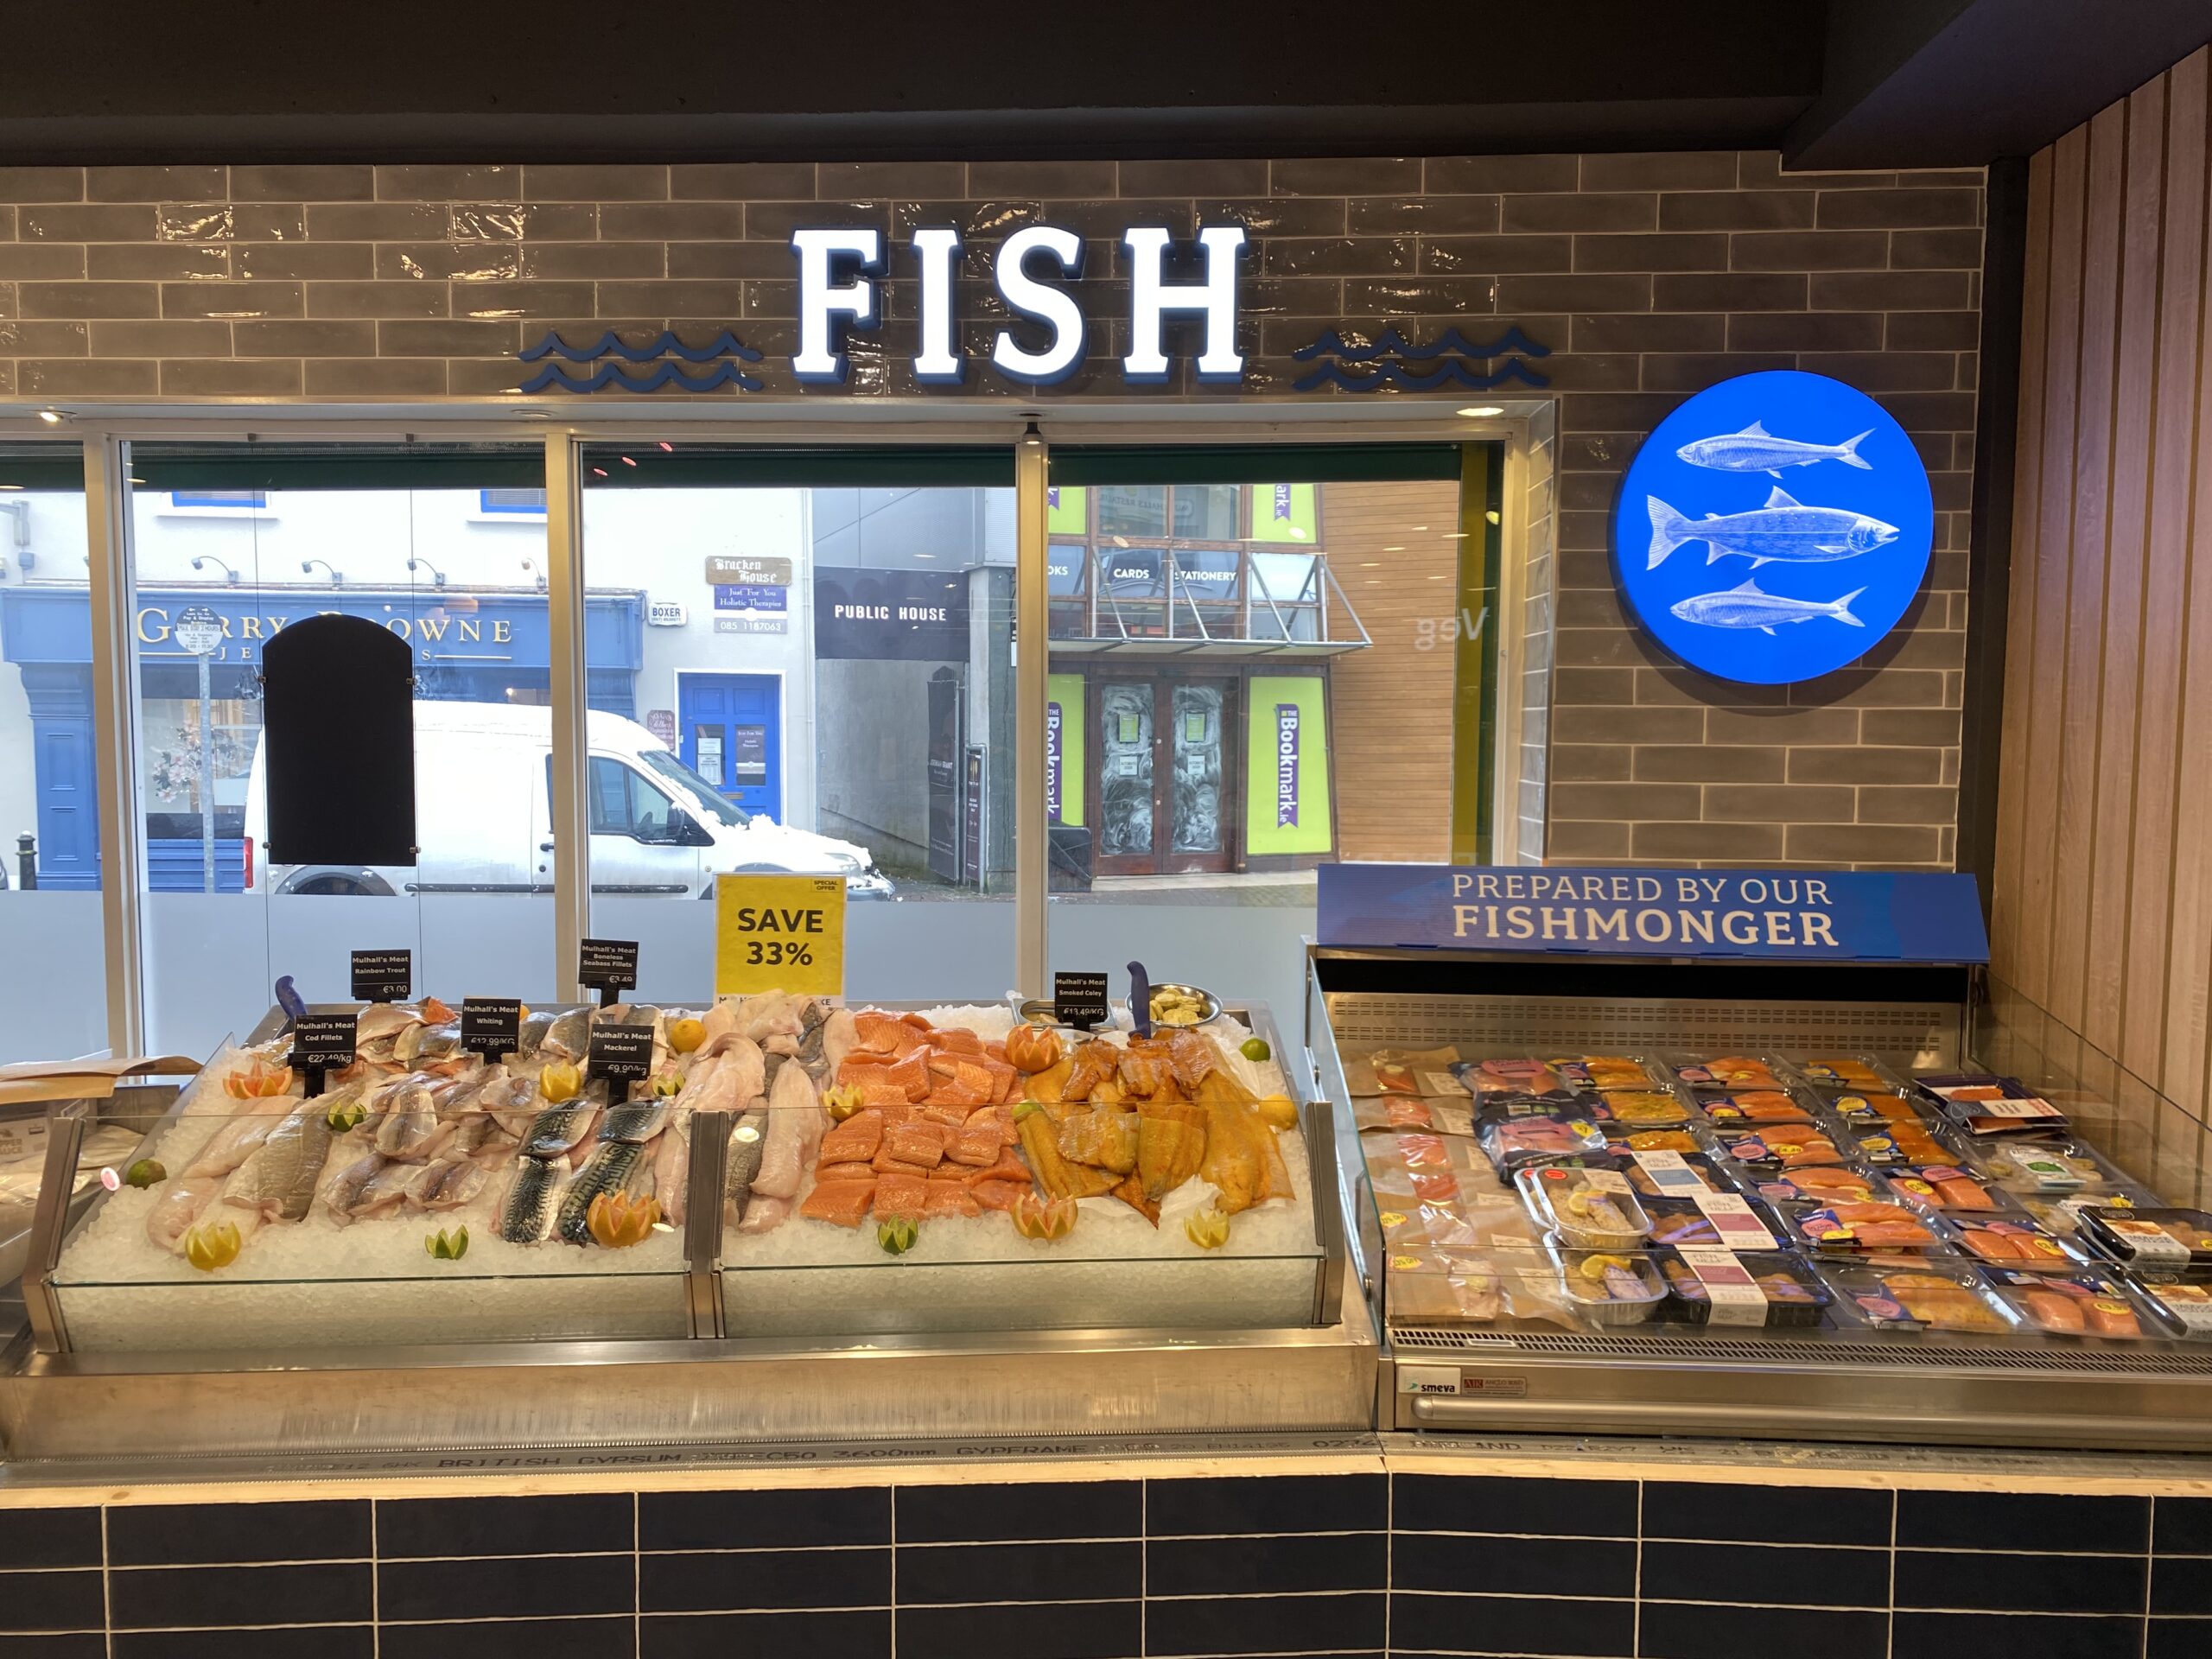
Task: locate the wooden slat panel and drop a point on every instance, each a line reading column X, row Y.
column 2054, row 512
column 2151, row 921
column 2127, row 513
column 2086, row 570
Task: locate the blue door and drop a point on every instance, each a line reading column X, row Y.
column 730, row 730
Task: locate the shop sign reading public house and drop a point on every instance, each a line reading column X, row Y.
column 840, row 270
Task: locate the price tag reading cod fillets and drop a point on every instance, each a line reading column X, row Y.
column 779, row 933
column 324, row 1041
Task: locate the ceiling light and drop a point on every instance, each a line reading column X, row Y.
column 1481, row 412
column 51, row 417
column 1491, row 515
column 666, row 445
column 11, row 487
column 1370, row 564
column 1394, row 550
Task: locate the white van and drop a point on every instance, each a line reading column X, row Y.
column 484, row 820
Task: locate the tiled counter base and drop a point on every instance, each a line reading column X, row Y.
column 1407, row 1549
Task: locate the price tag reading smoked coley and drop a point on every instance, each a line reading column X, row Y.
column 491, row 1025
column 1079, row 999
column 779, row 933
column 383, row 976
column 621, row 1054
column 607, row 964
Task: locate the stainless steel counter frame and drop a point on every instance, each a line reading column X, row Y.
column 1678, row 1380
column 715, row 1389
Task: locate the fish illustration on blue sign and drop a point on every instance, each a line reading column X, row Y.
column 1844, row 546
column 1755, row 449
column 1783, row 529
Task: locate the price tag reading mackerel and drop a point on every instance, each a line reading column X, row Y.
column 779, row 933
column 383, row 976
column 607, row 964
column 620, row 1053
column 1079, row 999
column 491, row 1025
column 324, row 1042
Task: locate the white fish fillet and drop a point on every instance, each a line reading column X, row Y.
column 672, row 1166
column 765, row 1214
column 794, row 1133
column 839, row 1034
column 180, row 1205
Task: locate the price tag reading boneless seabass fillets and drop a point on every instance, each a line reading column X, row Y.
column 779, row 933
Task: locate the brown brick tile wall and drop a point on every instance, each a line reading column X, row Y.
column 1649, row 276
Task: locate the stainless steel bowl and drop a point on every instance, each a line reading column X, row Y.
column 1209, row 1005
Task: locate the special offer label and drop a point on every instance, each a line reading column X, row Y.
column 779, row 933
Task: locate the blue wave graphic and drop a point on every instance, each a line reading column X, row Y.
column 1450, row 372
column 1450, row 343
column 666, row 374
column 725, row 343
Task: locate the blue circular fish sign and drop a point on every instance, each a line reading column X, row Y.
column 1774, row 527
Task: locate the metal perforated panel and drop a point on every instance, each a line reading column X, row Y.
column 1908, row 1034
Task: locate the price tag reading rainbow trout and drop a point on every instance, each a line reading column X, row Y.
column 620, row 1053
column 383, row 976
column 779, row 933
column 491, row 1025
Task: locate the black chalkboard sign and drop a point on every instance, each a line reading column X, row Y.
column 611, row 965
column 383, row 976
column 338, row 729
column 1079, row 999
column 323, row 1041
column 620, row 1053
column 491, row 1025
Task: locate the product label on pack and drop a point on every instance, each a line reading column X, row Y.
column 1733, row 1294
column 491, row 1025
column 611, row 965
column 1738, row 1223
column 23, row 1139
column 620, row 1053
column 383, row 976
column 324, row 1041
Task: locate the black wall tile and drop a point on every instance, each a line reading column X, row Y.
column 2019, row 1636
column 1260, row 1624
column 2024, row 1521
column 80, row 1645
column 178, row 1535
column 1687, row 1630
column 1536, row 1566
column 547, row 1586
column 526, row 1638
column 1518, row 1624
column 1770, row 1515
column 1578, row 1509
column 1267, row 1503
column 161, row 1598
column 296, row 1642
column 982, row 1514
column 2031, row 1584
column 1279, row 1566
column 793, row 1519
column 1095, row 1629
column 505, row 1526
column 844, row 1635
column 2183, row 1527
column 53, row 1601
column 1047, row 1571
column 49, row 1538
column 2169, row 1638
column 766, row 1578
column 2181, row 1584
column 1827, row 1577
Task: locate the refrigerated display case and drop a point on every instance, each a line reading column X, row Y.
column 1609, row 1193
column 786, row 1218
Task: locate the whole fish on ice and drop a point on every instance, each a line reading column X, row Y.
column 1746, row 606
column 1755, row 449
column 1783, row 529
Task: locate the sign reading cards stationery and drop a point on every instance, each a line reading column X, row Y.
column 1836, row 916
column 779, row 933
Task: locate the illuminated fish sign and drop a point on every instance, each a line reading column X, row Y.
column 1834, row 559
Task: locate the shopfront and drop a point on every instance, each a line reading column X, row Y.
column 1075, row 564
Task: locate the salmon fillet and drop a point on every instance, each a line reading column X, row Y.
column 916, row 1141
column 998, row 1195
column 855, row 1140
column 845, row 1203
column 948, row 1197
column 900, row 1198
column 977, row 1145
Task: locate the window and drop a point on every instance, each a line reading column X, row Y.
column 219, row 501
column 510, row 503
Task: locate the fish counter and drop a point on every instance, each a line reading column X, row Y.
column 771, row 1179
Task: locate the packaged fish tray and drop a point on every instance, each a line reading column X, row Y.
column 2088, row 1304
column 2186, row 1308
column 1952, row 1190
column 1444, row 1287
column 1681, row 1221
column 1783, row 1147
column 1603, row 1073
column 1628, row 1138
column 1932, row 1295
column 2056, row 1164
column 2166, row 1239
column 1402, row 1071
column 1863, row 1227
column 1770, row 1290
column 1589, row 1208
column 1511, row 1141
column 1608, row 1287
column 1756, row 1108
column 2016, row 1243
column 1483, row 1218
column 1849, row 1073
column 1722, row 1074
column 2061, row 1212
column 1515, row 1077
column 1655, row 1172
column 1388, row 1114
column 1900, row 1144
column 1877, row 1106
column 1821, row 1183
column 1653, row 1108
column 1986, row 1105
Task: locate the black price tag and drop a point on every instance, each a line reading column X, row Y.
column 383, row 976
column 609, row 964
column 323, row 1042
column 620, row 1053
column 1079, row 999
column 491, row 1025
